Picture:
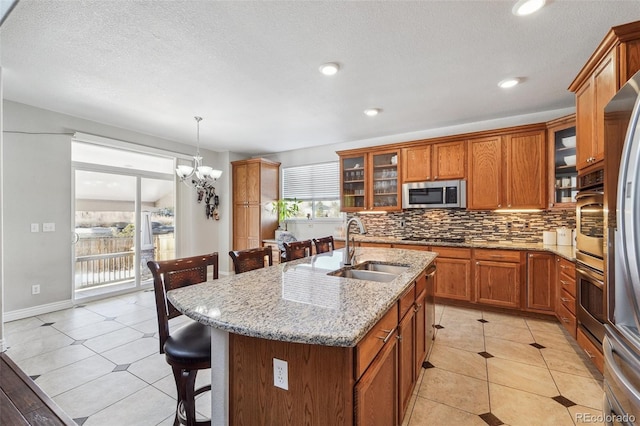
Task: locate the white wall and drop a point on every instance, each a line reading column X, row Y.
column 43, row 194
column 2, row 342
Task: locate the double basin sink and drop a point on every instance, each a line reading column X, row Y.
column 371, row 271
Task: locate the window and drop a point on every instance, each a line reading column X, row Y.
column 317, row 186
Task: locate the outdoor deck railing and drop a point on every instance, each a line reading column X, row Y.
column 100, row 269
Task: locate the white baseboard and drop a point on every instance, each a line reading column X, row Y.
column 37, row 310
column 3, row 345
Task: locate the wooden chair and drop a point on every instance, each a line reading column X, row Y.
column 297, row 249
column 250, row 259
column 187, row 349
column 323, row 244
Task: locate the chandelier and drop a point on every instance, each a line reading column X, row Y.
column 201, row 178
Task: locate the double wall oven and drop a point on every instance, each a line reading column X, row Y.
column 590, row 224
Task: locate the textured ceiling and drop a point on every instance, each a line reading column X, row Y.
column 251, row 68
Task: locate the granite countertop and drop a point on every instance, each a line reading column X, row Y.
column 568, row 252
column 298, row 302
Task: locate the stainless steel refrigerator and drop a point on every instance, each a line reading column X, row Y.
column 621, row 345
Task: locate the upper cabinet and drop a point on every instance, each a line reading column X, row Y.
column 615, row 60
column 370, row 181
column 561, row 137
column 508, row 171
column 434, row 161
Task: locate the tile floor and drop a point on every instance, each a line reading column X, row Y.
column 100, row 363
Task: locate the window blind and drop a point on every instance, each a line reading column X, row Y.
column 312, row 182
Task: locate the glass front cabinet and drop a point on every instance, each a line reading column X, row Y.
column 370, row 181
column 563, row 174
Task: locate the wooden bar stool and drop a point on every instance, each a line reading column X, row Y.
column 324, row 244
column 187, row 349
column 250, row 259
column 297, row 249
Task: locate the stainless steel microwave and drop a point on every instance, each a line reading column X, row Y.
column 442, row 194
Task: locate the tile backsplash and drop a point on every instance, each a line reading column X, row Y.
column 472, row 225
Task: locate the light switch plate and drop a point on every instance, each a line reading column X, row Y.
column 35, row 227
column 48, row 227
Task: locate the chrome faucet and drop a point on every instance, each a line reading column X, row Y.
column 351, row 251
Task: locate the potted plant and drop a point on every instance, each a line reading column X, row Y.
column 286, row 208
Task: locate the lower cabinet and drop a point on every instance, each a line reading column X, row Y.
column 498, row 277
column 540, row 282
column 566, row 294
column 406, row 360
column 453, row 277
column 376, row 394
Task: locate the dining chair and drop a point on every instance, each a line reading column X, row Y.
column 324, row 244
column 250, row 259
column 297, row 249
column 187, row 349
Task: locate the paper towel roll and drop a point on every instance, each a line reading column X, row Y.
column 549, row 238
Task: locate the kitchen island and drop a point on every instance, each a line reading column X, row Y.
column 338, row 336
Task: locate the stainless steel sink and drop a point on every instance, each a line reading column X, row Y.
column 359, row 274
column 381, row 267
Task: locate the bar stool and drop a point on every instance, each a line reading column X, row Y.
column 187, row 349
column 323, row 244
column 250, row 259
column 297, row 249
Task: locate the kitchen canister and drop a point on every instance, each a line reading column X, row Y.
column 549, row 238
column 564, row 236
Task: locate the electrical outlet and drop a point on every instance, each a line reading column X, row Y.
column 35, row 289
column 48, row 227
column 35, row 227
column 402, row 224
column 280, row 374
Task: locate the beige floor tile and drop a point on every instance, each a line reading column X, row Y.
column 30, row 335
column 456, row 390
column 548, row 326
column 454, row 312
column 585, row 415
column 521, row 376
column 78, row 321
column 512, row 320
column 53, row 360
column 466, row 338
column 113, row 340
column 22, row 325
column 66, row 378
column 132, row 351
column 567, row 362
column 148, row 406
column 581, row 390
column 459, row 361
column 93, row 330
column 561, row 342
column 506, row 332
column 151, row 369
column 137, row 316
column 38, row 346
column 427, row 412
column 515, row 407
column 114, row 308
column 148, row 326
column 514, row 351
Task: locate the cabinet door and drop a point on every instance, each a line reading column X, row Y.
column 526, row 177
column 406, row 361
column 240, row 176
column 353, row 188
column 384, row 190
column 423, row 323
column 449, row 160
column 377, row 391
column 498, row 283
column 253, row 182
column 604, row 80
column 416, row 163
column 453, row 278
column 253, row 225
column 584, row 125
column 485, row 174
column 540, row 282
column 240, row 227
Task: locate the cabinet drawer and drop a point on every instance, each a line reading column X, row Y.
column 568, row 301
column 567, row 319
column 497, row 255
column 370, row 345
column 568, row 268
column 452, row 252
column 567, row 284
column 421, row 283
column 406, row 300
column 593, row 352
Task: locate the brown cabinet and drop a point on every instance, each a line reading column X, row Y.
column 561, row 137
column 406, row 360
column 541, row 272
column 255, row 185
column 591, row 350
column 434, row 161
column 614, row 61
column 498, row 277
column 566, row 294
column 507, row 171
column 370, row 181
column 453, row 274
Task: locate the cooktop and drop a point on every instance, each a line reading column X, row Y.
column 436, row 239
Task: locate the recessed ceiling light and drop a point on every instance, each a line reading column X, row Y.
column 372, row 112
column 509, row 83
column 330, row 68
column 527, row 7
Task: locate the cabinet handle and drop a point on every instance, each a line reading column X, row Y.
column 589, row 354
column 386, row 339
column 558, row 260
column 428, row 177
column 477, row 263
column 565, row 319
column 530, row 255
column 562, row 266
column 417, row 308
column 564, row 299
column 399, row 337
column 499, row 205
column 496, row 256
column 435, row 177
column 508, row 205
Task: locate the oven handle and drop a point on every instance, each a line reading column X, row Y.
column 598, row 282
column 583, row 194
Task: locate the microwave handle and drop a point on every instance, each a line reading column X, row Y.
column 583, row 194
